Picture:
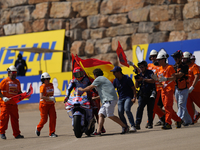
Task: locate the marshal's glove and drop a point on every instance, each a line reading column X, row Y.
column 162, row 79
column 191, row 89
column 154, row 76
column 5, row 99
column 52, row 98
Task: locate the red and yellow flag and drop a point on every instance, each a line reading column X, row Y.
column 90, row 64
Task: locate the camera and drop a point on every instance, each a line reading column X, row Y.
column 137, row 76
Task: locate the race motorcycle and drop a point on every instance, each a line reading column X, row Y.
column 82, row 114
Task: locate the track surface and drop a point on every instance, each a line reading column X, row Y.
column 145, row 139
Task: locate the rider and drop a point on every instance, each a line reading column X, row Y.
column 81, row 80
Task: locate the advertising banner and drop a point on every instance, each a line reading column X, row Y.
column 50, row 62
column 60, row 82
column 141, row 52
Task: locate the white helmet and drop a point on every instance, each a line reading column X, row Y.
column 162, row 55
column 12, row 68
column 45, row 75
column 186, row 55
column 193, row 57
column 153, row 52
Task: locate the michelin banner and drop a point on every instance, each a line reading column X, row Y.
column 50, row 62
column 60, row 82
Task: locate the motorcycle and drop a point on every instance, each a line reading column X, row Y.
column 82, row 114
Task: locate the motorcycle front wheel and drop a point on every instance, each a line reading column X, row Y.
column 77, row 126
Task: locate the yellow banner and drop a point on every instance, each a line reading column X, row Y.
column 50, row 62
column 60, row 82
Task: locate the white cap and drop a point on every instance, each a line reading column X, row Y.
column 153, row 52
column 186, row 55
column 12, row 68
column 45, row 75
column 162, row 55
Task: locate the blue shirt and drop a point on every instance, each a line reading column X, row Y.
column 124, row 87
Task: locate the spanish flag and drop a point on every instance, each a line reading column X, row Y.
column 90, row 64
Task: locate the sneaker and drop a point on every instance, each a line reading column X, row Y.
column 103, row 130
column 137, row 126
column 37, row 132
column 53, row 135
column 19, row 136
column 125, row 130
column 197, row 117
column 185, row 124
column 132, row 129
column 96, row 134
column 150, row 126
column 192, row 123
column 178, row 124
column 166, row 127
column 147, row 125
column 159, row 123
column 3, row 136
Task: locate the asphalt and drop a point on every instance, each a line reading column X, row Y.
column 144, row 139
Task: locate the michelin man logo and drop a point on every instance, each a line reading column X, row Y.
column 55, row 86
column 197, row 56
column 139, row 54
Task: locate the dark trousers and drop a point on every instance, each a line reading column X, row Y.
column 142, row 102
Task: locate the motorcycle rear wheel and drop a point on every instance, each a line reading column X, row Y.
column 77, row 126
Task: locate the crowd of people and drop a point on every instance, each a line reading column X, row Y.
column 158, row 84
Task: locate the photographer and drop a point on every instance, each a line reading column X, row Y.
column 147, row 86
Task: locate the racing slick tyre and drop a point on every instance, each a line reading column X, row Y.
column 77, row 126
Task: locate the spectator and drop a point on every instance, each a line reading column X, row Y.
column 108, row 99
column 127, row 96
column 9, row 87
column 147, row 86
column 21, row 66
column 181, row 90
column 47, row 106
column 166, row 76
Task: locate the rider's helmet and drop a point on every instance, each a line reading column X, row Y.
column 78, row 73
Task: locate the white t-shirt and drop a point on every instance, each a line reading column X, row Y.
column 105, row 89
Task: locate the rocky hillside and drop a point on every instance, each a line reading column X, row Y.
column 95, row 26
